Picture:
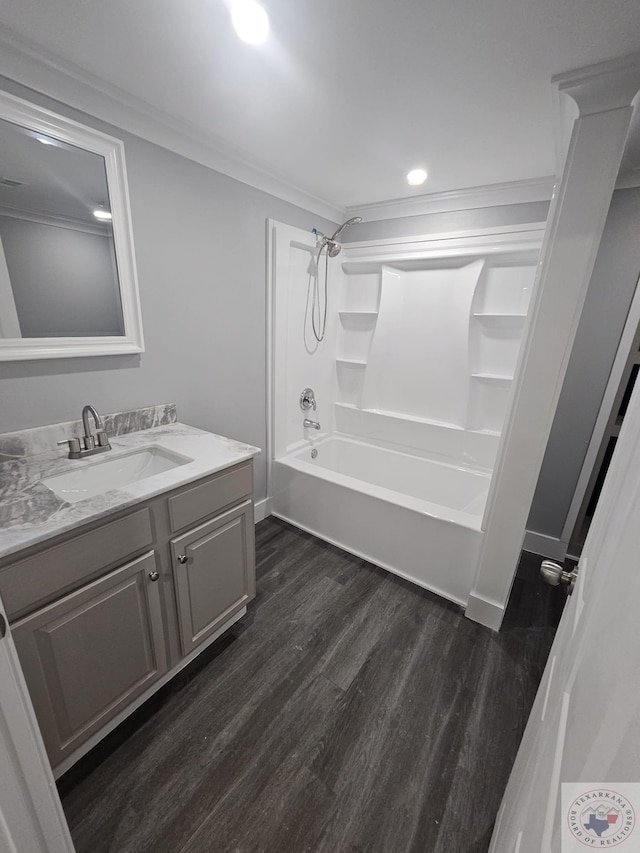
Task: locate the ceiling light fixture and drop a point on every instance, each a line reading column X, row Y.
column 416, row 177
column 250, row 21
column 103, row 215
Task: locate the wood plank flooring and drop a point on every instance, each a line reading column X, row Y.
column 348, row 712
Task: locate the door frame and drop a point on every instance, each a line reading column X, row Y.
column 613, row 390
column 31, row 815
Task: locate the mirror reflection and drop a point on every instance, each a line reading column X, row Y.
column 58, row 271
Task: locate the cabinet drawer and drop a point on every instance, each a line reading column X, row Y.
column 38, row 579
column 209, row 498
column 89, row 655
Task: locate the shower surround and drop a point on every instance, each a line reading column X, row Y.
column 412, row 383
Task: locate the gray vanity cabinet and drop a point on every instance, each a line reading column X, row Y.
column 214, row 573
column 91, row 653
column 107, row 614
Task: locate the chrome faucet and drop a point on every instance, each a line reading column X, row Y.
column 98, row 443
column 311, row 424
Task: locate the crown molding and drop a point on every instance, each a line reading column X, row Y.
column 28, row 64
column 493, row 195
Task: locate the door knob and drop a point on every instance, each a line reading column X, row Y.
column 555, row 575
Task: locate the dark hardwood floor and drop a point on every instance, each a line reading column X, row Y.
column 348, row 712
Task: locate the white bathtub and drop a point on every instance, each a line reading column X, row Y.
column 413, row 516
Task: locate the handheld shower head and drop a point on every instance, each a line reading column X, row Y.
column 331, row 248
column 330, row 243
column 353, row 221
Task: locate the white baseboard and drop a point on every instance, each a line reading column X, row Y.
column 262, row 509
column 546, row 546
column 485, row 611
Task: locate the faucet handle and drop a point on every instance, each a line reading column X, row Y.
column 103, row 438
column 73, row 443
column 307, row 400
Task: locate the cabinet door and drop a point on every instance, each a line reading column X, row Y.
column 88, row 655
column 214, row 572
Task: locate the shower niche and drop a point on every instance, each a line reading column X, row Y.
column 358, row 318
column 499, row 311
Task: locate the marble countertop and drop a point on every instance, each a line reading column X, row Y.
column 30, row 513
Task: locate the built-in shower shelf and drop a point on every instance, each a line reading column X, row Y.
column 492, row 377
column 400, row 416
column 501, row 321
column 364, row 314
column 352, row 362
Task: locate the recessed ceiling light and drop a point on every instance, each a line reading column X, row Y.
column 250, row 21
column 103, row 215
column 416, row 177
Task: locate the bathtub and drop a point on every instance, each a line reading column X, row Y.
column 411, row 515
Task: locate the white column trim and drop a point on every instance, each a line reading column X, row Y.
column 602, row 87
column 578, row 212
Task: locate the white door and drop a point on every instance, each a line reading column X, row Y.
column 31, row 816
column 585, row 723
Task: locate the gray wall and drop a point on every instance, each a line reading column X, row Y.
column 605, row 310
column 200, row 242
column 63, row 280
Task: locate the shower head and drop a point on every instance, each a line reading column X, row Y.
column 353, row 221
column 330, row 243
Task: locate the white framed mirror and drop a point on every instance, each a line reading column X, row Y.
column 68, row 283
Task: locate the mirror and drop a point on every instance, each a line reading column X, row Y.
column 67, row 272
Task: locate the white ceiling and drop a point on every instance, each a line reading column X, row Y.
column 346, row 97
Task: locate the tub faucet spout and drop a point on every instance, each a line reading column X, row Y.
column 311, row 424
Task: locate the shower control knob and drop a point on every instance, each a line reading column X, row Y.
column 307, row 400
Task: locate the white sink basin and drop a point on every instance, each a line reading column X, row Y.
column 105, row 473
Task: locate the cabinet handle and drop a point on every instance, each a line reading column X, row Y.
column 153, row 575
column 3, row 627
column 182, row 559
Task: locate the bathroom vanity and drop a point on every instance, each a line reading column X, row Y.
column 108, row 597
